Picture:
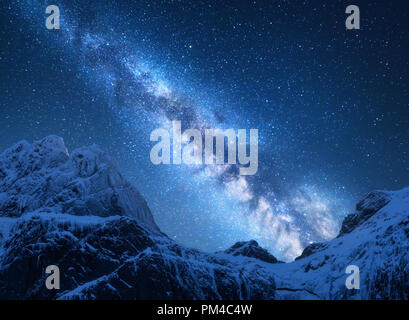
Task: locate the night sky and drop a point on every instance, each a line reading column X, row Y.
column 331, row 105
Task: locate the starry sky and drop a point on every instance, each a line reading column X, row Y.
column 331, row 105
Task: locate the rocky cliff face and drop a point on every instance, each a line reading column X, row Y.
column 76, row 211
column 117, row 258
column 251, row 249
column 376, row 240
column 365, row 209
column 86, row 182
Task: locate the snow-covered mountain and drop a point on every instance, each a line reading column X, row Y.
column 77, row 211
column 43, row 175
column 375, row 238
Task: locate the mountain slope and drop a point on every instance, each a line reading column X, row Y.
column 378, row 245
column 85, row 182
column 76, row 211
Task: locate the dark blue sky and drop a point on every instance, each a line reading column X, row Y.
column 331, row 105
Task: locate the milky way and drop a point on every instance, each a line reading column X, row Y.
column 115, row 72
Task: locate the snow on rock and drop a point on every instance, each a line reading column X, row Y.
column 251, row 249
column 117, row 258
column 85, row 182
column 76, row 211
column 378, row 245
column 365, row 209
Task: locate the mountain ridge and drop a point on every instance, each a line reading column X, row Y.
column 75, row 210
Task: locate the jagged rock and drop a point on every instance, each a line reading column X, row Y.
column 85, row 182
column 251, row 249
column 365, row 209
column 311, row 249
column 370, row 204
column 115, row 257
column 76, row 211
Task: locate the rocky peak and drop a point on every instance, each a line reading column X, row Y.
column 86, row 182
column 251, row 249
column 311, row 249
column 365, row 209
